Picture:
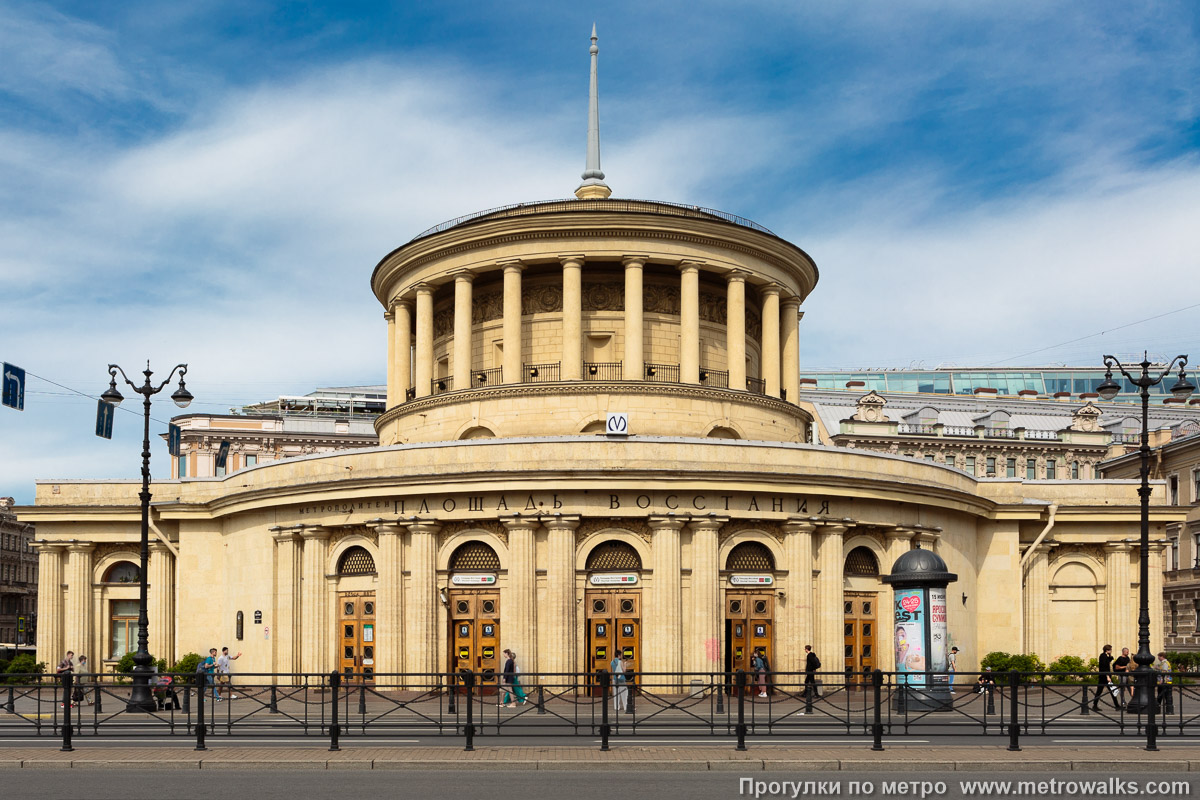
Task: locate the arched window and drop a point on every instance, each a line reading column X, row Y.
column 750, row 557
column 478, row 432
column 474, row 555
column 721, row 432
column 612, row 555
column 123, row 572
column 861, row 561
column 356, row 561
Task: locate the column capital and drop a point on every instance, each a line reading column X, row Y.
column 427, row 526
column 465, row 275
column 511, row 264
column 156, row 546
column 389, row 315
column 791, row 300
column 736, row 276
column 424, row 288
column 798, row 525
column 399, row 301
column 47, row 547
column 834, row 529
column 1120, row 547
column 771, row 289
column 387, row 528
column 284, row 536
column 519, row 523
column 628, row 260
column 900, row 532
column 711, row 522
column 81, row 547
column 666, row 523
column 561, row 522
column 690, row 266
column 1045, row 547
column 571, row 259
column 316, row 533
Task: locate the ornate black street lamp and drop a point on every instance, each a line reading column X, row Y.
column 1143, row 699
column 140, row 698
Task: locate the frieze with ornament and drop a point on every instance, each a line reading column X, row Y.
column 738, row 525
column 589, row 526
column 107, row 549
column 370, row 534
column 1068, row 551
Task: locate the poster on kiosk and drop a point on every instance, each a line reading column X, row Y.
column 920, row 635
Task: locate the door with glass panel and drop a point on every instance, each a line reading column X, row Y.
column 859, row 634
column 356, row 625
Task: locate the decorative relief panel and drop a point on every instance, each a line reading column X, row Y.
column 443, row 323
column 107, row 549
column 492, row 526
column 541, row 300
column 589, row 526
column 603, row 296
column 487, row 307
column 1096, row 551
column 753, row 324
column 712, row 308
column 739, row 525
column 338, row 534
column 661, row 299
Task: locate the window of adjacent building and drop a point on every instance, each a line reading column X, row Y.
column 1074, row 470
column 123, row 622
column 181, row 461
column 1010, row 468
column 971, row 464
column 1030, row 469
column 1196, row 608
column 949, row 461
column 251, row 461
column 930, row 457
column 1174, row 555
column 1173, row 489
column 123, row 572
column 991, row 466
column 219, row 472
column 1174, row 617
column 1051, row 469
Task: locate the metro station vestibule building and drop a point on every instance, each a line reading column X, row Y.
column 500, row 510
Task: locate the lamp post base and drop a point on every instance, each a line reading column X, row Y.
column 141, row 699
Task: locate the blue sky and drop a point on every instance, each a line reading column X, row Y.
column 213, row 182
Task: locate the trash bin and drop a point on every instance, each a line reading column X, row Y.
column 697, row 688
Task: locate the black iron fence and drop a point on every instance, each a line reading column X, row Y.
column 602, row 370
column 718, row 378
column 735, row 707
column 541, row 373
column 487, row 377
column 662, row 373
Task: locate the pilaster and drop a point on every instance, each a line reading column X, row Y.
column 161, row 602
column 285, row 624
column 50, row 647
column 666, row 611
column 520, row 606
column 315, row 628
column 1120, row 610
column 704, row 623
column 389, row 599
column 560, row 616
column 1037, row 603
column 78, row 619
column 829, row 614
column 421, row 645
column 796, row 611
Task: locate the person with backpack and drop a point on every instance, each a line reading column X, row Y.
column 811, row 665
column 758, row 662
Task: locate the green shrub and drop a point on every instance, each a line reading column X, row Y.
column 22, row 664
column 186, row 667
column 3, row 665
column 1002, row 662
column 1069, row 665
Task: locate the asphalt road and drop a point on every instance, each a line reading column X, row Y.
column 103, row 784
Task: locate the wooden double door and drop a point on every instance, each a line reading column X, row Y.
column 749, row 625
column 356, row 625
column 475, row 634
column 859, row 635
column 614, row 625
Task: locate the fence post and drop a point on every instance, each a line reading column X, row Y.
column 741, row 717
column 1014, row 726
column 66, row 744
column 630, row 685
column 1083, row 701
column 989, row 688
column 362, row 699
column 541, row 701
column 9, row 707
column 1151, row 708
column 200, row 680
column 469, row 729
column 877, row 725
column 603, row 676
column 335, row 680
column 273, row 708
column 451, row 703
column 721, row 692
column 809, row 690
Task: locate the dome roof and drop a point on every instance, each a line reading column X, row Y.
column 919, row 567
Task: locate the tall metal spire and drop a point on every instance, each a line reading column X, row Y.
column 593, row 186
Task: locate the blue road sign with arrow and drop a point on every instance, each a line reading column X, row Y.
column 14, row 386
column 104, row 418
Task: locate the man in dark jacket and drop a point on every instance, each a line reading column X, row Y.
column 1104, row 680
column 811, row 665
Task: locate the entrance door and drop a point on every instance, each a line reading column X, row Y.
column 749, row 625
column 475, row 634
column 614, row 624
column 859, row 633
column 356, row 623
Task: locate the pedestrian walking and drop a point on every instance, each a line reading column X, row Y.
column 225, row 672
column 758, row 663
column 811, row 664
column 1121, row 673
column 80, row 695
column 1104, row 682
column 66, row 667
column 620, row 688
column 1165, row 700
column 209, row 666
column 509, row 687
column 952, row 666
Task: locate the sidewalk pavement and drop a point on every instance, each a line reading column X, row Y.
column 898, row 758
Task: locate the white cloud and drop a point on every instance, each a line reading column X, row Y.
column 44, row 51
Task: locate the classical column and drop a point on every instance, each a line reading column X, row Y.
column 560, row 618
column 666, row 612
column 1156, row 595
column 704, row 621
column 393, row 397
column 796, row 617
column 1119, row 610
column 50, row 647
column 403, row 358
column 735, row 328
column 462, row 329
column 635, row 361
column 315, row 629
column 520, row 621
column 424, row 380
column 421, row 605
column 770, row 339
column 389, row 600
column 1037, row 603
column 830, row 616
column 285, row 625
column 791, row 349
column 511, row 367
column 899, row 542
column 572, row 324
column 78, row 619
column 689, row 322
column 160, row 602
